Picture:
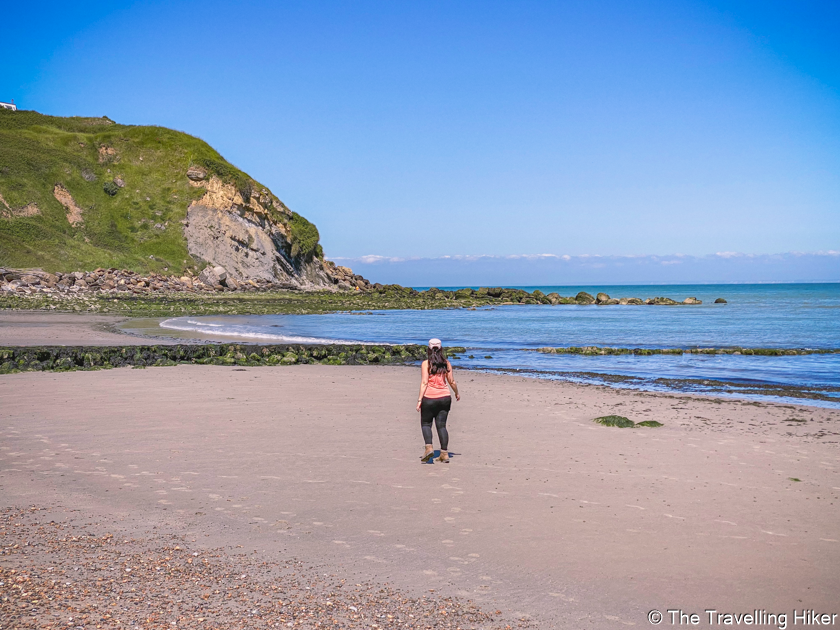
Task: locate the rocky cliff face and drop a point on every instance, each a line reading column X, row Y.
column 249, row 238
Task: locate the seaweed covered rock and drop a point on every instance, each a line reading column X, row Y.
column 40, row 358
column 584, row 298
column 615, row 421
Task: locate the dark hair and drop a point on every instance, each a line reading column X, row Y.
column 437, row 361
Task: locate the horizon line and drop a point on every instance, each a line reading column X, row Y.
column 377, row 258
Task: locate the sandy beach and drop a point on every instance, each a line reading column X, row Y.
column 542, row 515
column 33, row 328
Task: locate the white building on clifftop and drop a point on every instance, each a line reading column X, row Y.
column 11, row 105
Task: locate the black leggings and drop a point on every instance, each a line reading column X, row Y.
column 436, row 409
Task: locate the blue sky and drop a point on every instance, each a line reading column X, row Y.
column 434, row 129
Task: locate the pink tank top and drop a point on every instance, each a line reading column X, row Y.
column 437, row 387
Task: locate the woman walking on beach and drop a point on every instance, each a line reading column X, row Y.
column 435, row 400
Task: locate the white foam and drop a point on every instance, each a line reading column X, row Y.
column 220, row 330
column 191, row 321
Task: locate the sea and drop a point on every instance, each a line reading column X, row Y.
column 504, row 339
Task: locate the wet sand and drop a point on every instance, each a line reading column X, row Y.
column 35, row 328
column 542, row 514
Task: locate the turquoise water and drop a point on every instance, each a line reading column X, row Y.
column 777, row 316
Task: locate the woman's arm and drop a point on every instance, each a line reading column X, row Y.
column 451, row 378
column 424, row 382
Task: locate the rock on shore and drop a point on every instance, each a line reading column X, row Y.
column 24, row 282
column 211, row 279
column 47, row 358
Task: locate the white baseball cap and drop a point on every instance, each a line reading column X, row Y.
column 435, row 343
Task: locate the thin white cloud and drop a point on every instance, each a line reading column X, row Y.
column 668, row 259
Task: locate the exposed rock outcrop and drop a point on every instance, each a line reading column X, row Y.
column 249, row 238
column 74, row 212
column 7, row 212
column 107, row 154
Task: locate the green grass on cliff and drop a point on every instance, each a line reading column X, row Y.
column 37, row 152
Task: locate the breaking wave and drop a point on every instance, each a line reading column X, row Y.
column 246, row 332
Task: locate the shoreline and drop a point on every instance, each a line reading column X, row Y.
column 703, row 387
column 35, row 329
column 158, row 299
column 728, row 505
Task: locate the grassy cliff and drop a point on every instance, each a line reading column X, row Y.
column 129, row 184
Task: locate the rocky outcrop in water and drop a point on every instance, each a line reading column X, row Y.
column 609, row 351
